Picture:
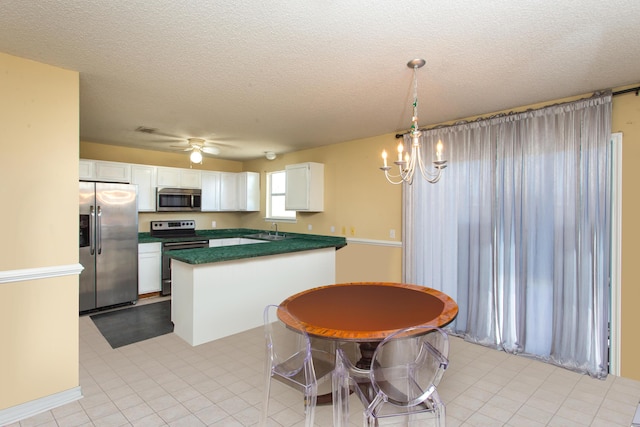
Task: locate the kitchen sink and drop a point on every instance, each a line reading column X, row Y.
column 267, row 236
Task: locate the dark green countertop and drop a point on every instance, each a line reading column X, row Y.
column 295, row 242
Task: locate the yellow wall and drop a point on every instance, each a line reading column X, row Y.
column 356, row 192
column 362, row 262
column 626, row 119
column 358, row 197
column 39, row 142
column 39, row 191
column 115, row 153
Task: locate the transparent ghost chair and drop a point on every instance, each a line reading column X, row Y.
column 291, row 360
column 405, row 371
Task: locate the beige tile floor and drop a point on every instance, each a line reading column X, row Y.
column 166, row 382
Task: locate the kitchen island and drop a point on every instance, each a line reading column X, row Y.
column 222, row 290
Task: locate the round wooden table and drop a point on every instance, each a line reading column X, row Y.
column 367, row 312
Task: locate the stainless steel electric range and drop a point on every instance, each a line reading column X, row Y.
column 183, row 236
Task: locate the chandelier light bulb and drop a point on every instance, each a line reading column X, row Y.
column 400, row 150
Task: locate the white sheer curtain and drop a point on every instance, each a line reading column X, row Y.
column 518, row 231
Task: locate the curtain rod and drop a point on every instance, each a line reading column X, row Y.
column 620, row 92
column 633, row 89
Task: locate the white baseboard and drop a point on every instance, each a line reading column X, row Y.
column 35, row 407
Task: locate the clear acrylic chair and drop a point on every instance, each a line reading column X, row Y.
column 405, row 371
column 291, row 360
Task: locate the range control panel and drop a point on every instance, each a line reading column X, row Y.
column 177, row 228
column 173, row 225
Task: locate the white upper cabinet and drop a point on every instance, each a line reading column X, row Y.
column 190, row 178
column 145, row 178
column 178, row 178
column 87, row 169
column 221, row 191
column 248, row 188
column 168, row 177
column 97, row 170
column 210, row 182
column 228, row 191
column 304, row 187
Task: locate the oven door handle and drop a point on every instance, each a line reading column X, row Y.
column 187, row 245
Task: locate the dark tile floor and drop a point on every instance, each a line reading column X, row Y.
column 133, row 324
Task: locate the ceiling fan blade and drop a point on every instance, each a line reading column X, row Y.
column 164, row 141
column 221, row 144
column 154, row 131
column 211, row 150
column 182, row 148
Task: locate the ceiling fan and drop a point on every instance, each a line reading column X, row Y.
column 197, row 147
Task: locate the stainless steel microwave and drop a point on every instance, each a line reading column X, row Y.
column 178, row 200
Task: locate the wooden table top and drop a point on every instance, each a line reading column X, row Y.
column 368, row 311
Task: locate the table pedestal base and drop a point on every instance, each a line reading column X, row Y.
column 366, row 354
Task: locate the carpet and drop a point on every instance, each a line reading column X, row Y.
column 131, row 325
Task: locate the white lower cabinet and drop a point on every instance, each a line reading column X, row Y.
column 149, row 267
column 231, row 241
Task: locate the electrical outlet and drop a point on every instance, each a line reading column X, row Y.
column 213, row 224
column 392, row 234
column 333, row 229
column 309, row 227
column 353, row 231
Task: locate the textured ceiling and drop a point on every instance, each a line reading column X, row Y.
column 285, row 75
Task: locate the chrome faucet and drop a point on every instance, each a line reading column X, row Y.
column 275, row 224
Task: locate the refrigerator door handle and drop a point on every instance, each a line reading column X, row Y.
column 92, row 240
column 99, row 230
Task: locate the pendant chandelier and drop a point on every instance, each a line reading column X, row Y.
column 411, row 159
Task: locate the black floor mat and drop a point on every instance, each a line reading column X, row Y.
column 130, row 325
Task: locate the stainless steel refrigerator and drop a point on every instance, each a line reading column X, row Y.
column 108, row 244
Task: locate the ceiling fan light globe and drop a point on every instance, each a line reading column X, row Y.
column 195, row 156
